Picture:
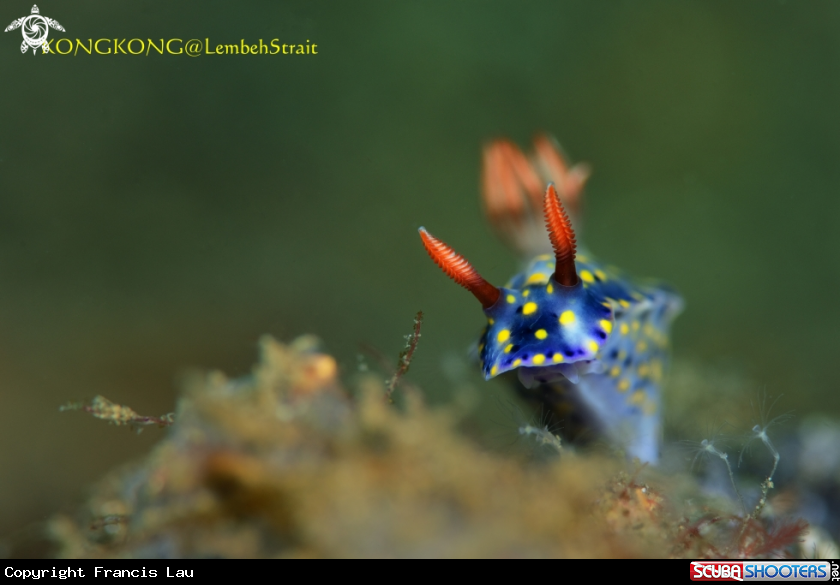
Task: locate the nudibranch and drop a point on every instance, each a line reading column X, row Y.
column 587, row 341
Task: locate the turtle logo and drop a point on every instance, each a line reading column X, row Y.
column 35, row 29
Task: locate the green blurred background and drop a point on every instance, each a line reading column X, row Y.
column 160, row 213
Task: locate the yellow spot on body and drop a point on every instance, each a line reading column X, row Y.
column 600, row 274
column 503, row 335
column 494, row 370
column 526, row 293
column 567, row 317
column 508, row 348
column 638, row 296
column 582, row 258
column 545, row 257
column 656, row 370
column 586, row 276
column 624, row 329
column 557, row 357
column 641, row 346
column 550, row 265
column 539, row 358
column 537, row 278
column 615, row 371
column 510, row 299
column 624, row 385
column 648, row 329
column 638, row 397
column 529, row 308
column 621, row 355
column 491, row 321
column 549, row 289
column 541, row 334
column 623, row 303
column 635, row 326
column 593, row 346
column 606, row 325
column 480, row 347
column 517, row 363
column 644, row 370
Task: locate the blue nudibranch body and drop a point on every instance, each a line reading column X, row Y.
column 604, row 340
column 586, row 340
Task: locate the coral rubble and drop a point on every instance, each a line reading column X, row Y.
column 287, row 463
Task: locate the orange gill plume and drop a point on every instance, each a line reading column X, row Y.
column 562, row 238
column 506, row 173
column 458, row 269
column 551, row 164
column 513, row 185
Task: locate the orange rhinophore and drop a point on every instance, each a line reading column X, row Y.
column 458, row 269
column 562, row 238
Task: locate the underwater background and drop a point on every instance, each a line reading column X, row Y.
column 161, row 213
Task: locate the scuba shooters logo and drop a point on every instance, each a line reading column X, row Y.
column 35, row 29
column 748, row 570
